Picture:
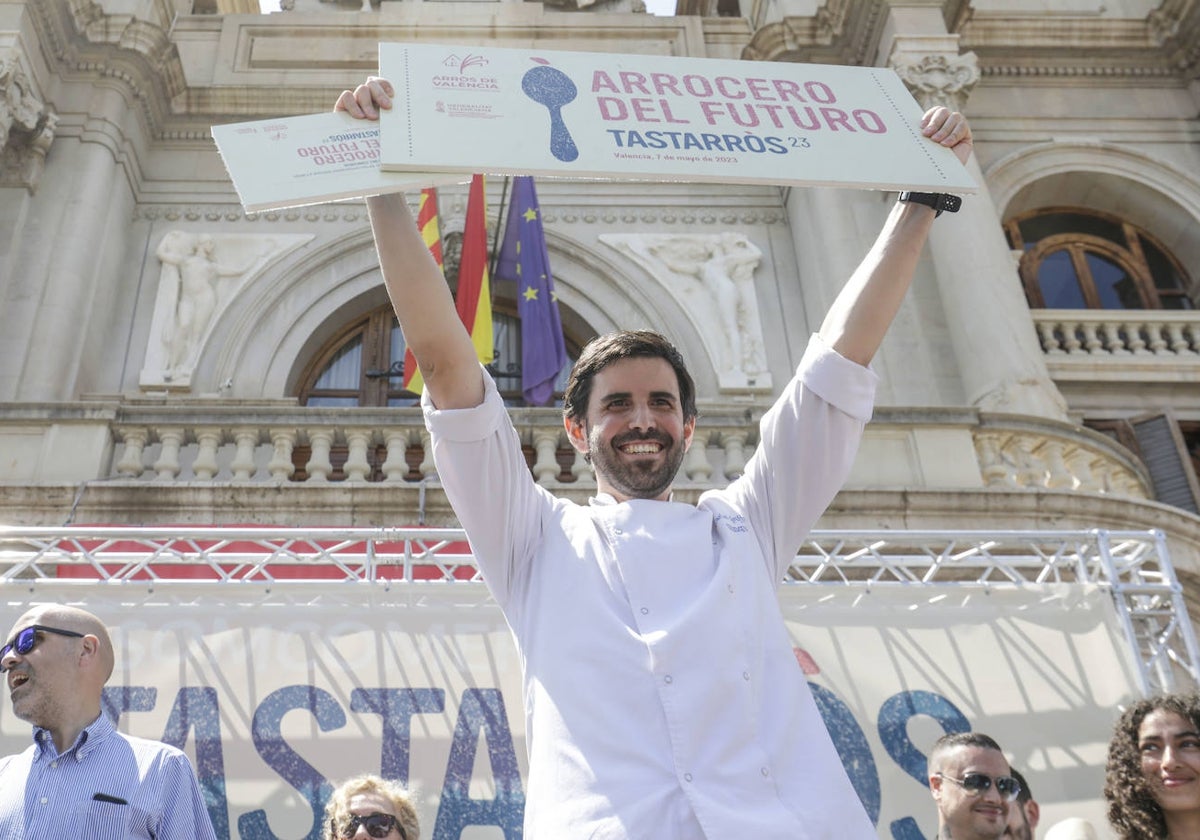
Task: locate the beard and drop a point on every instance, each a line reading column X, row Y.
column 35, row 705
column 643, row 478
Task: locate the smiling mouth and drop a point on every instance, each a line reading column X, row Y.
column 642, row 448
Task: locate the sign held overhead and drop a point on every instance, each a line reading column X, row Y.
column 639, row 117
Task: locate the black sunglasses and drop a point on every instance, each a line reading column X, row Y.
column 377, row 825
column 26, row 640
column 978, row 783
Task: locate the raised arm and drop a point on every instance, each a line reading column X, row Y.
column 864, row 309
column 418, row 292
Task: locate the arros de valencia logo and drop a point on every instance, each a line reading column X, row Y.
column 468, row 60
column 459, row 79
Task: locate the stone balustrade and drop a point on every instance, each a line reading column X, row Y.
column 1013, row 455
column 197, row 443
column 1133, row 333
column 400, row 452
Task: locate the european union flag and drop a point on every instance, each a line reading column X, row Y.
column 524, row 261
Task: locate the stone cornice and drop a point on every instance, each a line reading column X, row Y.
column 255, row 67
column 1062, row 71
column 84, row 42
column 1164, row 45
column 610, row 214
column 1058, row 47
column 841, row 32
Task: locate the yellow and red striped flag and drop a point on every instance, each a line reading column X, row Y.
column 474, row 297
column 427, row 223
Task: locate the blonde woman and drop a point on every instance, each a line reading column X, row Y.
column 368, row 806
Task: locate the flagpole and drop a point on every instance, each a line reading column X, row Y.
column 501, row 219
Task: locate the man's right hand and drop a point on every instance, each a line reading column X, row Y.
column 366, row 100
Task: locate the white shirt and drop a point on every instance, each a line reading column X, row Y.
column 662, row 696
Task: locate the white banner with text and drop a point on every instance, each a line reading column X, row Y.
column 279, row 692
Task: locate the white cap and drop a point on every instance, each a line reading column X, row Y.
column 1071, row 829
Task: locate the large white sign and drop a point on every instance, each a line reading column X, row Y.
column 293, row 161
column 280, row 690
column 542, row 112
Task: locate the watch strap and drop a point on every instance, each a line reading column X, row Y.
column 940, row 202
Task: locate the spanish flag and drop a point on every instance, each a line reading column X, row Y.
column 427, row 223
column 474, row 296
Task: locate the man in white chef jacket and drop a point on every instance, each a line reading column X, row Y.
column 662, row 697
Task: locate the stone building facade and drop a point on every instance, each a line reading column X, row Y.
column 166, row 357
column 160, row 346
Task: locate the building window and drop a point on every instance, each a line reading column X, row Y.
column 355, row 367
column 363, row 365
column 1170, row 449
column 1083, row 259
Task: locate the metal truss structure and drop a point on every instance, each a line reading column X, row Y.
column 1133, row 566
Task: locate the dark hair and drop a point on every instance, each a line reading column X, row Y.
column 1132, row 809
column 953, row 740
column 1025, row 794
column 602, row 351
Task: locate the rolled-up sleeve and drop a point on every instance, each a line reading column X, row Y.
column 487, row 481
column 808, row 442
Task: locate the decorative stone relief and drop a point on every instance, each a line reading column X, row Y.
column 938, row 79
column 26, row 127
column 1024, row 396
column 200, row 275
column 712, row 277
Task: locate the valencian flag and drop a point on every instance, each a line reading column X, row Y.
column 474, row 296
column 524, row 260
column 427, row 223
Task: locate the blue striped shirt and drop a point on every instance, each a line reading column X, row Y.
column 107, row 786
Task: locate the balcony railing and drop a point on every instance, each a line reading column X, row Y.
column 201, row 443
column 1165, row 338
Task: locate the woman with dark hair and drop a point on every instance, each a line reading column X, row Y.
column 1152, row 782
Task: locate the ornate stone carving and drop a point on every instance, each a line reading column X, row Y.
column 26, row 128
column 938, row 79
column 1163, row 23
column 712, row 276
column 200, row 275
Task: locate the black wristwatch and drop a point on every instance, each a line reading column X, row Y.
column 938, row 201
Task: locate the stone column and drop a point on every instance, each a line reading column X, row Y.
column 1000, row 359
column 83, row 182
column 995, row 341
column 27, row 127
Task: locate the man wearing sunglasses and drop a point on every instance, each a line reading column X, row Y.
column 1024, row 814
column 973, row 786
column 82, row 778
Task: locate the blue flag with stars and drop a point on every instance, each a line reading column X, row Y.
column 523, row 260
